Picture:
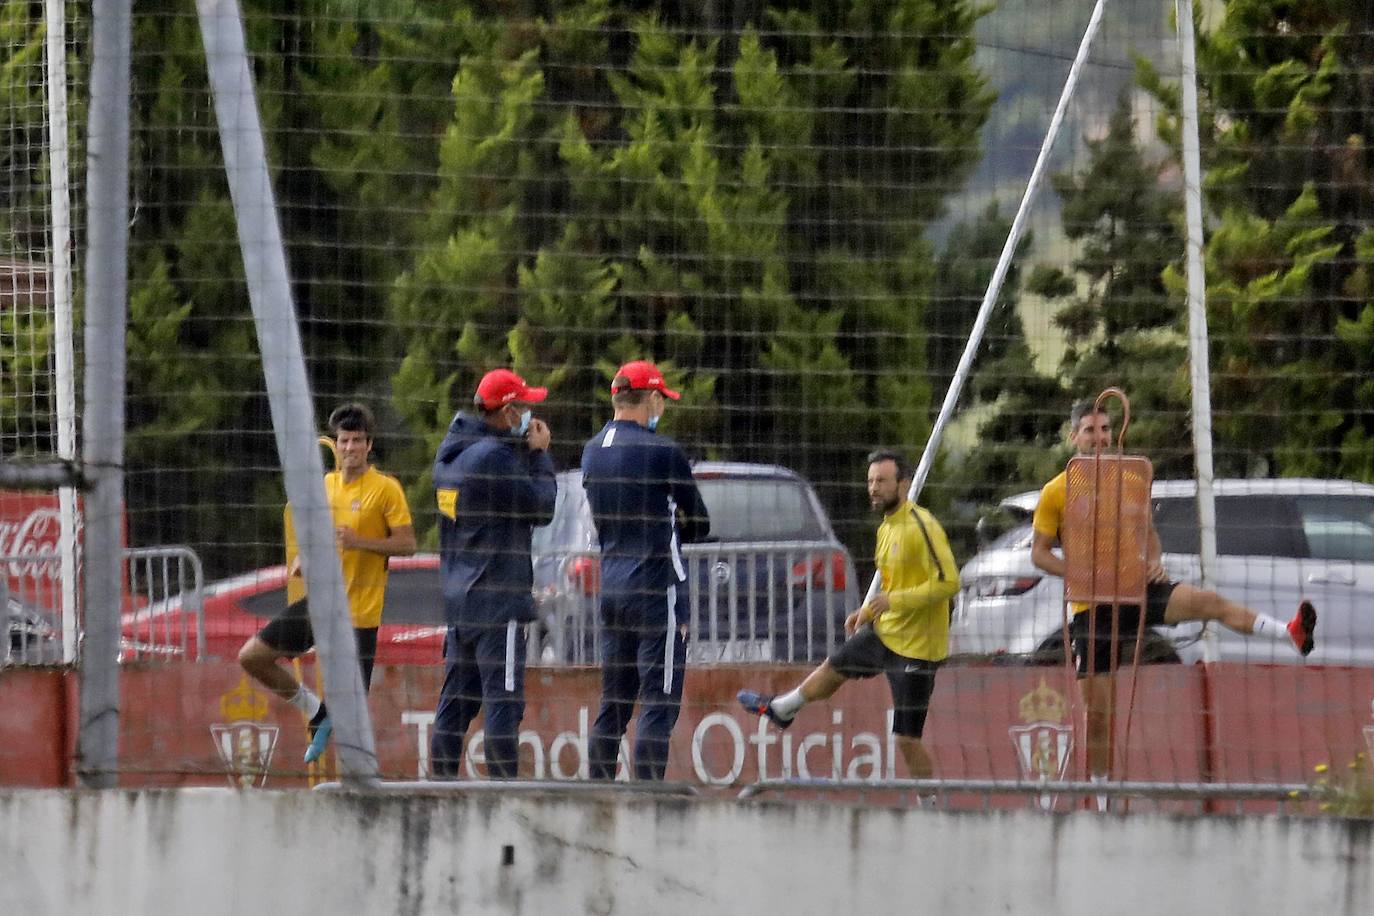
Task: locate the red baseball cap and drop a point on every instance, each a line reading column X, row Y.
column 502, row 386
column 642, row 375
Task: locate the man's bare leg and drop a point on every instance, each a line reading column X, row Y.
column 1189, row 603
column 917, row 758
column 1099, row 705
column 820, row 684
column 260, row 661
column 1099, row 698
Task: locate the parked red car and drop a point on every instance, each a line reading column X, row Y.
column 236, row 608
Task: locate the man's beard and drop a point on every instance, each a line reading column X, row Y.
column 887, row 507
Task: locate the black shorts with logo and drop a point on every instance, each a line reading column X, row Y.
column 912, row 679
column 1128, row 624
column 290, row 634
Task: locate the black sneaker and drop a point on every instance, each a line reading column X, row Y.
column 761, row 705
column 1303, row 628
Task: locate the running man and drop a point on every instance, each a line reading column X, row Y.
column 903, row 632
column 645, row 503
column 1166, row 603
column 371, row 523
column 494, row 482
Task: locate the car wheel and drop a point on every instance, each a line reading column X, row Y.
column 1157, row 651
column 1050, row 652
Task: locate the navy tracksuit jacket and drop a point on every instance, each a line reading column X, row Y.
column 645, row 504
column 491, row 491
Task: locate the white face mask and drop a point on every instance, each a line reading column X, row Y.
column 525, row 417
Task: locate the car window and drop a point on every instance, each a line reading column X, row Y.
column 1015, row 539
column 412, row 596
column 759, row 509
column 1247, row 526
column 1338, row 527
column 1176, row 523
column 266, row 604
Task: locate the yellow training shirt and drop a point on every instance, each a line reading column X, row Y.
column 373, row 505
column 1049, row 517
column 919, row 576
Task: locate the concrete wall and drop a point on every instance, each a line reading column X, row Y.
column 213, row 851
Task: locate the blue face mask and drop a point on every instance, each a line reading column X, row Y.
column 524, row 426
column 653, row 423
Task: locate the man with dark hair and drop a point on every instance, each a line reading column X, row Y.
column 371, row 523
column 1167, row 603
column 493, row 482
column 645, row 503
column 903, row 632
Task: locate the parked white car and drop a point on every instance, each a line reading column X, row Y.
column 1278, row 541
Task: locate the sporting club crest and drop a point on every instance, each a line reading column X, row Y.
column 1044, row 743
column 245, row 744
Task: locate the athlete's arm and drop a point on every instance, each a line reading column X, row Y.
column 1043, row 556
column 863, row 615
column 1154, row 567
column 399, row 542
column 942, row 581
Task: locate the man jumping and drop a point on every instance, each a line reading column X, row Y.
column 1167, row 603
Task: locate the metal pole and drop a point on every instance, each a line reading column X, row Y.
column 107, row 207
column 1198, row 358
column 999, row 274
column 61, row 286
column 288, row 388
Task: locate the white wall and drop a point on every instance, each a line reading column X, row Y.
column 208, row 851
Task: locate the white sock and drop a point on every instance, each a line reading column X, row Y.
column 1271, row 628
column 786, row 705
column 305, row 701
column 1100, row 779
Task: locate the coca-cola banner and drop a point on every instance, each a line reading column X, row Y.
column 30, row 531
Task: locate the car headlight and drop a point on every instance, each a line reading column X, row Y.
column 1001, row 586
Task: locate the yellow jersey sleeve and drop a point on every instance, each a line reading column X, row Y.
column 1049, row 512
column 395, row 509
column 936, row 561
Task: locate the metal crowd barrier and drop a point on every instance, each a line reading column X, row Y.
column 939, row 790
column 165, row 606
column 521, row 786
column 166, row 591
column 747, row 602
column 30, row 596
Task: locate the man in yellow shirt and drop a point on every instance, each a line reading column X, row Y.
column 1166, row 603
column 371, row 523
column 903, row 632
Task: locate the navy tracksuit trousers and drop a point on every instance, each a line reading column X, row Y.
column 643, row 653
column 482, row 666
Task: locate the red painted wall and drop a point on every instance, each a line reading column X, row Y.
column 203, row 724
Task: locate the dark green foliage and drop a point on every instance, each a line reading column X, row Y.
column 1122, row 325
column 1290, row 190
column 749, row 212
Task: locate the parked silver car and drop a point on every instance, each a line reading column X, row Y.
column 774, row 583
column 1278, row 541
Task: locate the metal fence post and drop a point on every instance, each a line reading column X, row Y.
column 288, row 388
column 107, row 207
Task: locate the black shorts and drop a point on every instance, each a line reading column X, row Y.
column 912, row 679
column 290, row 634
column 1128, row 624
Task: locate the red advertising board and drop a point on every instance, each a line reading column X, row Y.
column 188, row 723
